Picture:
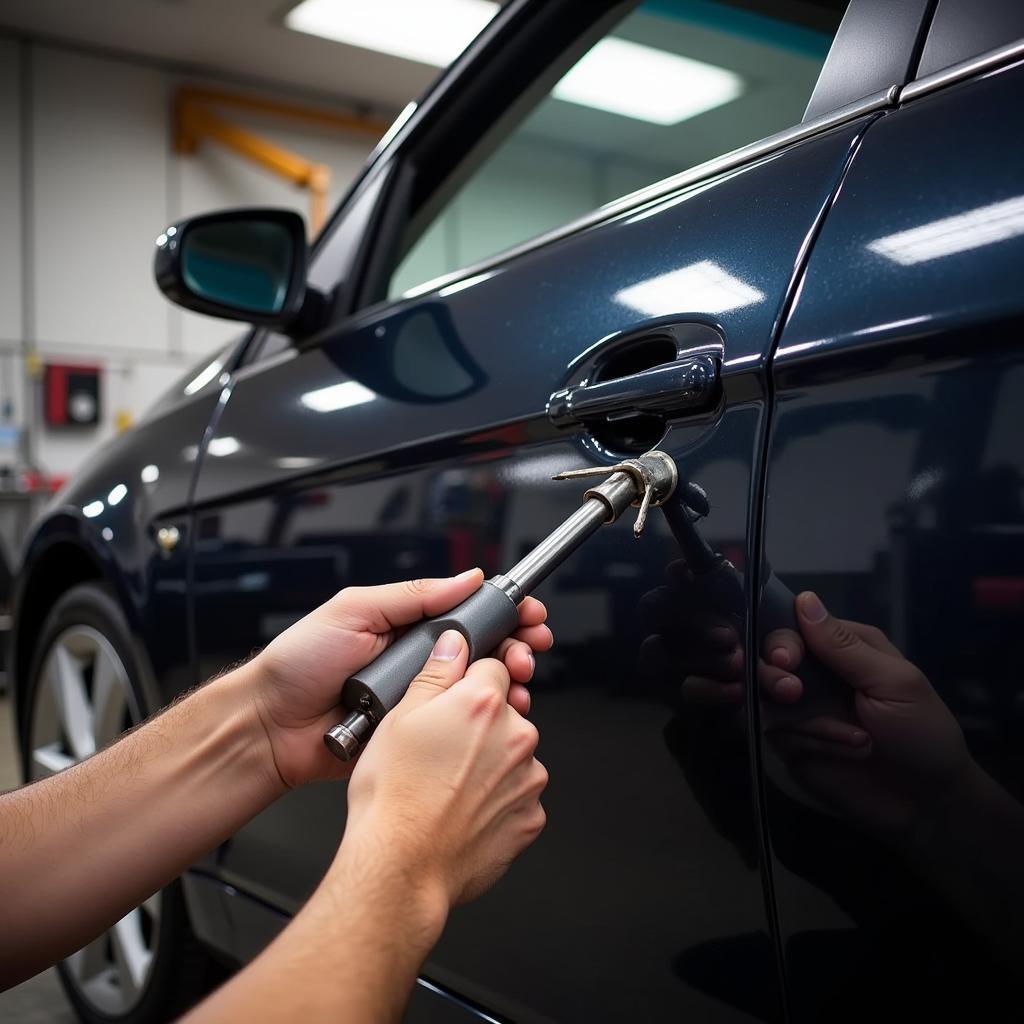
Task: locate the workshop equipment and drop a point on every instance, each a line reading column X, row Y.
column 492, row 613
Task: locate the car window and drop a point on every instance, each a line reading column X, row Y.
column 676, row 82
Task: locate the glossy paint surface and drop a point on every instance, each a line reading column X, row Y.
column 113, row 510
column 491, row 350
column 416, row 443
column 894, row 490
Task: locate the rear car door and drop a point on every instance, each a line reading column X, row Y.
column 415, row 438
column 894, row 490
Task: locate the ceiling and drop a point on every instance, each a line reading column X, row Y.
column 247, row 39
column 240, row 38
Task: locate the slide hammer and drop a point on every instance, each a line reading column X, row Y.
column 492, row 613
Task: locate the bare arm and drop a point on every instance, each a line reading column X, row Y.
column 351, row 954
column 433, row 827
column 79, row 850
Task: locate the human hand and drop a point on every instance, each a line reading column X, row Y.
column 296, row 680
column 694, row 625
column 448, row 786
column 901, row 756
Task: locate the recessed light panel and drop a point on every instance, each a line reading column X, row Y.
column 646, row 83
column 428, row 31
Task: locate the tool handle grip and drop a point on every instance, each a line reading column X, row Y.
column 485, row 618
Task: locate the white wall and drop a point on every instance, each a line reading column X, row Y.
column 10, row 251
column 93, row 135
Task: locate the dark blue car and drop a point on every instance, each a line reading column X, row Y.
column 825, row 199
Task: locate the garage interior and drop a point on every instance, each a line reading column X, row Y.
column 119, row 118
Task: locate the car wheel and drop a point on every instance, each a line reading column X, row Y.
column 84, row 691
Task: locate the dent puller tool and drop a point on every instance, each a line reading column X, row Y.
column 492, row 613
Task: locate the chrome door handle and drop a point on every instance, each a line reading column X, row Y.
column 684, row 385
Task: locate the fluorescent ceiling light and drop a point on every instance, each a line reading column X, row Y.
column 429, row 31
column 995, row 222
column 701, row 287
column 337, row 396
column 647, row 83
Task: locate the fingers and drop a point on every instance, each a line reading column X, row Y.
column 532, row 612
column 446, row 664
column 775, row 685
column 397, row 604
column 783, row 648
column 539, row 638
column 823, row 736
column 519, row 699
column 518, row 658
column 487, row 684
column 778, row 685
column 838, row 646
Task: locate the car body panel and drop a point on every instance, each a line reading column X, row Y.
column 893, row 490
column 411, row 439
column 415, row 443
column 111, row 512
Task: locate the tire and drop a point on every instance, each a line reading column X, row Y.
column 86, row 651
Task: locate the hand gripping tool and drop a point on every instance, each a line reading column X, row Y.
column 492, row 613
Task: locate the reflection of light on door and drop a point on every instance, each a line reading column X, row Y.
column 337, row 396
column 703, row 286
column 221, row 446
column 204, row 377
column 995, row 222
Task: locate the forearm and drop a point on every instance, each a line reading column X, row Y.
column 81, row 849
column 352, row 953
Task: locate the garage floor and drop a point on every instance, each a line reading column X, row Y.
column 40, row 1000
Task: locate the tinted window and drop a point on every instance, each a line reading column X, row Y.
column 676, row 83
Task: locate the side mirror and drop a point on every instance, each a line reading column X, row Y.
column 238, row 264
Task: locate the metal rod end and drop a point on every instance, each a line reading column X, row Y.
column 654, row 476
column 344, row 741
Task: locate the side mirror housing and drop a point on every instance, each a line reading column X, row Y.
column 247, row 264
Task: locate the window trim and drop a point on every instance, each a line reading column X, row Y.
column 969, row 68
column 394, row 158
column 877, row 44
column 860, row 16
column 767, row 146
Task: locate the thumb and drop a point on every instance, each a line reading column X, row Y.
column 837, row 646
column 445, row 666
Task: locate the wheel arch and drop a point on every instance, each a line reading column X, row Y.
column 60, row 555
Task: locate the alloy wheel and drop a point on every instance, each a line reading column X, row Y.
column 84, row 699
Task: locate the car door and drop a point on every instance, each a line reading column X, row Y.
column 894, row 491
column 416, row 437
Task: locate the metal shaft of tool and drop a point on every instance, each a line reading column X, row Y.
column 604, row 504
column 490, row 615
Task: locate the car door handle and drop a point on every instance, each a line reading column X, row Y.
column 686, row 384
